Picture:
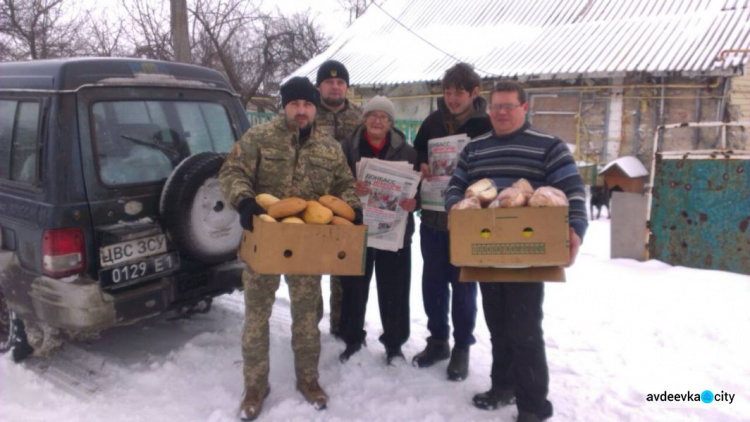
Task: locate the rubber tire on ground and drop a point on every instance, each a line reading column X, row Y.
column 199, row 223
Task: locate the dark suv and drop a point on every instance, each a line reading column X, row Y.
column 110, row 211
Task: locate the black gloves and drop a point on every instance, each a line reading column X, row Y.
column 358, row 217
column 247, row 208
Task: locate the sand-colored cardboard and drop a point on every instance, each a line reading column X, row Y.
column 278, row 248
column 512, row 274
column 510, row 237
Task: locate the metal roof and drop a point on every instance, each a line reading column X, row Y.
column 403, row 41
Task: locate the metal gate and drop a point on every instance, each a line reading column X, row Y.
column 699, row 205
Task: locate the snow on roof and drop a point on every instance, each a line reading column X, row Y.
column 629, row 165
column 400, row 41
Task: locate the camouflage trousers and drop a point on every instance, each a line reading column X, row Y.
column 260, row 294
column 337, row 293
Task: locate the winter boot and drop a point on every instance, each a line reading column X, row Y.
column 393, row 354
column 458, row 368
column 494, row 398
column 435, row 351
column 524, row 416
column 313, row 393
column 350, row 350
column 252, row 402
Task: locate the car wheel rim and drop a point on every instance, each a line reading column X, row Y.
column 213, row 222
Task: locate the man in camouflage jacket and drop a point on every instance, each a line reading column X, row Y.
column 338, row 117
column 285, row 157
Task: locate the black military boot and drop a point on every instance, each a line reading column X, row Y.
column 435, row 351
column 458, row 368
column 524, row 416
column 494, row 398
column 350, row 350
column 393, row 354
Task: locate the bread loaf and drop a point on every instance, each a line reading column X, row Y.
column 340, row 221
column 480, row 186
column 266, row 217
column 468, row 204
column 509, row 198
column 525, row 187
column 338, row 206
column 265, row 200
column 287, row 207
column 547, row 196
column 315, row 213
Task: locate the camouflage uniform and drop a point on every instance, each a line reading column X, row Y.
column 340, row 125
column 268, row 159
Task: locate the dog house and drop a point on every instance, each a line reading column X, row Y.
column 627, row 173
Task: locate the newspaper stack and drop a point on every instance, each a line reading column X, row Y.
column 390, row 182
column 442, row 155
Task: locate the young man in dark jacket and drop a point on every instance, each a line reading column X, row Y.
column 513, row 311
column 460, row 110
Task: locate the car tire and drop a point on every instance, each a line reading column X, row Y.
column 12, row 333
column 198, row 221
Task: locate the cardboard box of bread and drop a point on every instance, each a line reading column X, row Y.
column 305, row 237
column 520, row 234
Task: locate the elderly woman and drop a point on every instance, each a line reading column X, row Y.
column 376, row 138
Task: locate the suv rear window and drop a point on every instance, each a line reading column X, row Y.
column 19, row 130
column 142, row 141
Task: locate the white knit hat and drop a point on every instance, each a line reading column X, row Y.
column 381, row 103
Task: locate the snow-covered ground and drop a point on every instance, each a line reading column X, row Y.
column 617, row 331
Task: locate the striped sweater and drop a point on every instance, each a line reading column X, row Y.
column 542, row 159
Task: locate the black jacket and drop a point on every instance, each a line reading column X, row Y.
column 395, row 149
column 437, row 125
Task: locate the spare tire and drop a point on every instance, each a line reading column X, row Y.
column 197, row 219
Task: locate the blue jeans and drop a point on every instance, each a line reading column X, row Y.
column 438, row 278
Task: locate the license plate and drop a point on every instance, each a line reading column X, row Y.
column 133, row 271
column 133, row 249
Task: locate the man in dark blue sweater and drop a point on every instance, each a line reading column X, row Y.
column 513, row 311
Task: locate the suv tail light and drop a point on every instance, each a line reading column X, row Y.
column 63, row 252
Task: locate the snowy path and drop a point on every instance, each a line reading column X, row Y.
column 616, row 331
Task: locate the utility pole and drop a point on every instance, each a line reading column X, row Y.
column 179, row 22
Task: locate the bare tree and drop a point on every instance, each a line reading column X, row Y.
column 355, row 8
column 39, row 29
column 105, row 39
column 150, row 32
column 255, row 50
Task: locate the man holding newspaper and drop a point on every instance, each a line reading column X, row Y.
column 461, row 115
column 387, row 176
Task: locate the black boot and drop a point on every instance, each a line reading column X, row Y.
column 458, row 368
column 524, row 416
column 435, row 351
column 350, row 350
column 494, row 398
column 393, row 354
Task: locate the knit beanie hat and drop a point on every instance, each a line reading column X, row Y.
column 332, row 69
column 380, row 103
column 299, row 88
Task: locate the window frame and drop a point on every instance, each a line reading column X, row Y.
column 43, row 103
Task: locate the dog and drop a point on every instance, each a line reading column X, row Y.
column 600, row 197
